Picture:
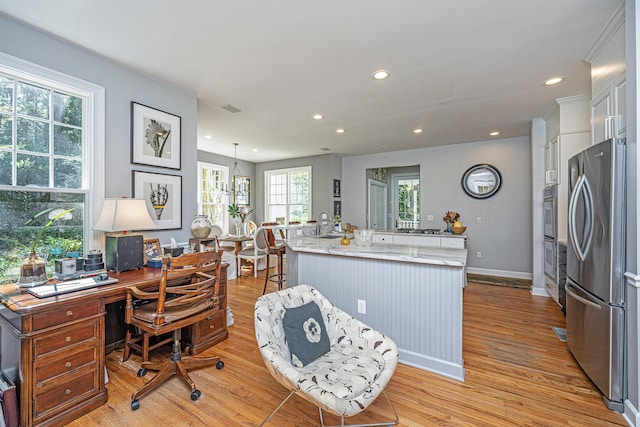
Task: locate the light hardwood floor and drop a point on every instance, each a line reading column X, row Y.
column 517, row 374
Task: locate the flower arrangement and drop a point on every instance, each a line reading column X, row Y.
column 450, row 217
column 235, row 211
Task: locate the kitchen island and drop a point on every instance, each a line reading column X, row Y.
column 413, row 294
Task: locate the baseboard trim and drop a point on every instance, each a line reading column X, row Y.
column 500, row 273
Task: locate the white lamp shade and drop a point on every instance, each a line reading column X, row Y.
column 124, row 215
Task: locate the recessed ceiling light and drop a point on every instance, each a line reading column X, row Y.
column 553, row 81
column 318, row 117
column 340, row 130
column 255, row 150
column 494, row 133
column 380, row 74
column 417, row 130
column 208, row 137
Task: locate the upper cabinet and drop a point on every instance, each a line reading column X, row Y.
column 608, row 81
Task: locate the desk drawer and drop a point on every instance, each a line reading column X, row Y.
column 83, row 356
column 210, row 326
column 57, row 317
column 64, row 338
column 74, row 389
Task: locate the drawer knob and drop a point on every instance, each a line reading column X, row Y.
column 211, row 327
column 67, row 391
column 67, row 365
column 67, row 339
column 209, row 318
column 69, row 313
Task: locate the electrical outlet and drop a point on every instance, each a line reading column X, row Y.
column 478, row 254
column 429, row 217
column 479, row 220
column 362, row 306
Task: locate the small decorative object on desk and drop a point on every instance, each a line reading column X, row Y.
column 450, row 218
column 201, row 227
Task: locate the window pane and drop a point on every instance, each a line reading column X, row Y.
column 67, row 109
column 23, row 214
column 33, row 136
column 33, row 170
column 5, row 168
column 67, row 173
column 6, row 123
column 6, row 94
column 32, row 100
column 67, row 141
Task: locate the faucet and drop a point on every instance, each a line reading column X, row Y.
column 324, row 219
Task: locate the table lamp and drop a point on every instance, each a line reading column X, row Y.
column 124, row 251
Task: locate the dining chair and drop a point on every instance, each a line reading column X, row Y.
column 180, row 300
column 255, row 253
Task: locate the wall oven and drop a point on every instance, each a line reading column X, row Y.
column 550, row 212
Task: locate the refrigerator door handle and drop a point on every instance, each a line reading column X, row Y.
column 590, row 220
column 585, row 301
column 577, row 190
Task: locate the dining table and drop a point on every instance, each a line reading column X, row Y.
column 237, row 240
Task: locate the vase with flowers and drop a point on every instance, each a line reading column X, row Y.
column 450, row 218
column 236, row 211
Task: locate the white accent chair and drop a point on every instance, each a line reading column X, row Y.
column 255, row 253
column 344, row 381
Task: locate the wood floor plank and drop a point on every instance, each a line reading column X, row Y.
column 517, row 374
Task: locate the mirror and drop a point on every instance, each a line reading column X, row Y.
column 242, row 190
column 481, row 181
column 393, row 197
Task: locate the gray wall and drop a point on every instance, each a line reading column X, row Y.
column 324, row 169
column 122, row 86
column 503, row 236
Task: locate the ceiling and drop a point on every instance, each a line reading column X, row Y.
column 459, row 70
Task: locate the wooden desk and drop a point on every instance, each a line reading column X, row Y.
column 62, row 343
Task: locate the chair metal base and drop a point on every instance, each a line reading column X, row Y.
column 342, row 424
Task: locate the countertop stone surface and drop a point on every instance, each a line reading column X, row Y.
column 405, row 253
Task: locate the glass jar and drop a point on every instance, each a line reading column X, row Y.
column 201, row 227
column 32, row 271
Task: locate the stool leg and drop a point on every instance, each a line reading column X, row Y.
column 266, row 276
column 280, row 270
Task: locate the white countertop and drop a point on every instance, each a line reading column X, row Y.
column 441, row 234
column 406, row 253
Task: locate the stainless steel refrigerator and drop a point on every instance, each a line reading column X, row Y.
column 595, row 267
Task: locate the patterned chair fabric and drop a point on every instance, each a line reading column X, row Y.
column 344, row 381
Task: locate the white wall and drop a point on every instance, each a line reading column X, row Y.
column 504, row 236
column 121, row 86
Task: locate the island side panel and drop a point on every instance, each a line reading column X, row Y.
column 418, row 305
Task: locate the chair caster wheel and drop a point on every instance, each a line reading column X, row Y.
column 195, row 394
column 135, row 404
column 142, row 372
column 220, row 364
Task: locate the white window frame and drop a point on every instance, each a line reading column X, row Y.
column 225, row 180
column 287, row 171
column 93, row 125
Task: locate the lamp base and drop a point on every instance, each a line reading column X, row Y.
column 124, row 252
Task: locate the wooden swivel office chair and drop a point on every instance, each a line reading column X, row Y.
column 182, row 299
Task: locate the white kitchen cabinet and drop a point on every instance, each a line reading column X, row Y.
column 551, row 162
column 452, row 243
column 417, row 240
column 608, row 82
column 382, row 238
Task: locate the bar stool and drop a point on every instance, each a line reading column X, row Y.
column 279, row 250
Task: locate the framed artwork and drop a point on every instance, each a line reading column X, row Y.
column 242, row 190
column 336, row 188
column 155, row 137
column 337, row 208
column 152, row 249
column 163, row 197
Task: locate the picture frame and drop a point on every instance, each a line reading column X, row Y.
column 155, row 137
column 336, row 188
column 242, row 190
column 337, row 208
column 152, row 249
column 162, row 194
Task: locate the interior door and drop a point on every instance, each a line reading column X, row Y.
column 377, row 201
